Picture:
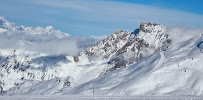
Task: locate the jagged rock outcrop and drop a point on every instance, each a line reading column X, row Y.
column 151, row 39
column 109, row 46
column 124, row 48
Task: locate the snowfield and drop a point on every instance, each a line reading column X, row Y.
column 102, row 98
column 177, row 71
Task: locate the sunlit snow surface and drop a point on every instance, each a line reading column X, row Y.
column 177, row 71
column 101, row 98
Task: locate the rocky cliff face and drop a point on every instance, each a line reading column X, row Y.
column 150, row 39
column 109, row 46
column 125, row 48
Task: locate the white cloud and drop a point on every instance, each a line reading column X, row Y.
column 46, row 44
column 179, row 34
column 123, row 12
column 93, row 17
column 67, row 4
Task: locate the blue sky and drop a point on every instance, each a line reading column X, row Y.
column 193, row 6
column 101, row 17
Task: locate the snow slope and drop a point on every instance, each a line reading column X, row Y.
column 21, row 66
column 177, row 71
column 37, row 54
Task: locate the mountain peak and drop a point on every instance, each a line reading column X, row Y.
column 5, row 24
column 47, row 31
column 149, row 27
column 3, row 19
column 149, row 34
column 49, row 27
column 125, row 48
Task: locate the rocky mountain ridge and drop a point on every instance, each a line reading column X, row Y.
column 124, row 48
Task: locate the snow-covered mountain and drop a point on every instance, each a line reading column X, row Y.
column 176, row 71
column 47, row 31
column 142, row 62
column 40, row 54
column 124, row 48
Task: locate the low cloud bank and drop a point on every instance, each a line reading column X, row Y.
column 73, row 45
column 179, row 34
column 46, row 44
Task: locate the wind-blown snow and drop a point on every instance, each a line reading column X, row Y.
column 179, row 34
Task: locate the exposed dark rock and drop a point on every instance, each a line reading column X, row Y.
column 108, row 46
column 1, row 88
column 138, row 46
column 67, row 82
column 76, row 58
column 143, row 26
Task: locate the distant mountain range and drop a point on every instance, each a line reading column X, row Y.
column 48, row 31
